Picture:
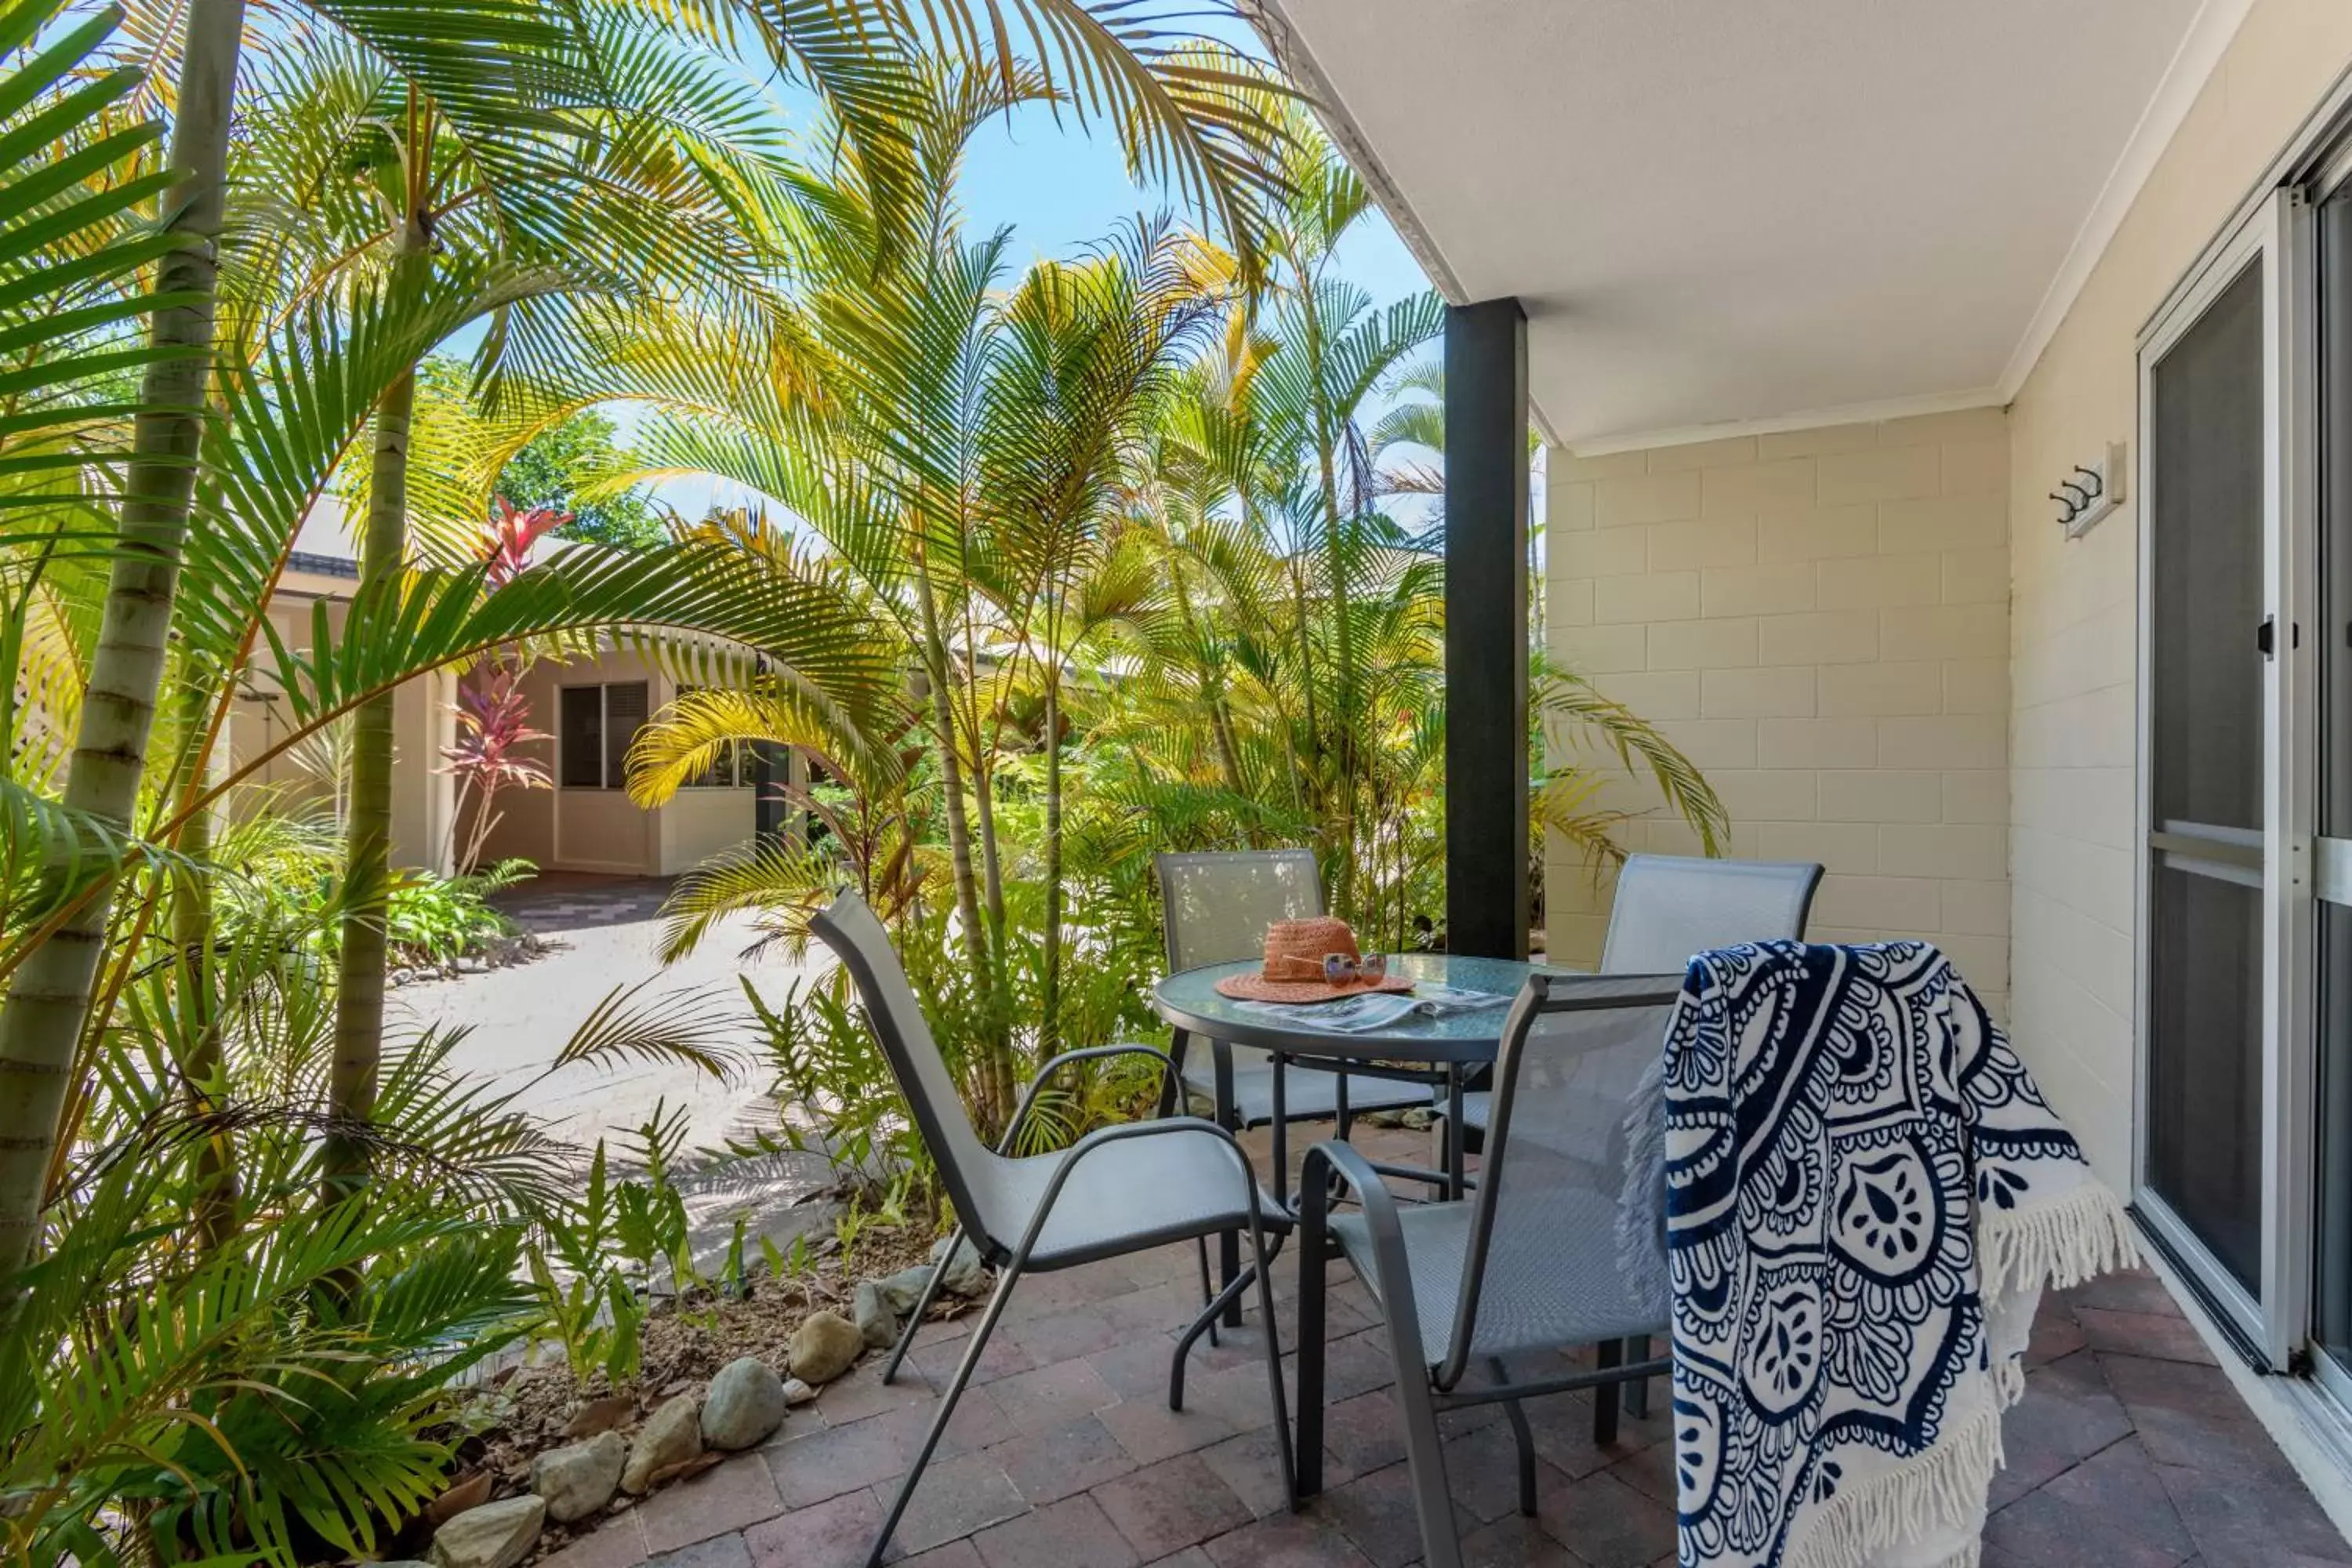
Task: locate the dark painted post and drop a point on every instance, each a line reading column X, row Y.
column 769, row 762
column 1486, row 629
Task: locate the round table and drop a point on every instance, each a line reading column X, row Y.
column 1191, row 1002
column 1441, row 1047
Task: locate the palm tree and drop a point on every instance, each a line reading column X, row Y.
column 48, row 997
column 1086, row 353
column 305, row 366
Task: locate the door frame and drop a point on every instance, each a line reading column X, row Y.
column 2275, row 236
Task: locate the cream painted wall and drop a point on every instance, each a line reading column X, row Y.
column 2073, row 618
column 1819, row 618
column 422, row 726
column 603, row 830
column 699, row 822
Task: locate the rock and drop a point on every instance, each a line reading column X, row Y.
column 876, row 1323
column 824, row 1347
column 470, row 1492
column 672, row 1436
column 599, row 1415
column 797, row 1393
column 578, row 1480
column 495, row 1536
column 965, row 1275
column 905, row 1288
column 746, row 1402
column 472, row 965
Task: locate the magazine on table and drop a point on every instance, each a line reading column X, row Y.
column 1378, row 1009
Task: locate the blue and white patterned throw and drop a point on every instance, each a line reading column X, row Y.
column 1866, row 1196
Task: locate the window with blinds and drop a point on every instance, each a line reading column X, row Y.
column 596, row 725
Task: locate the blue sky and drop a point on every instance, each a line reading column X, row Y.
column 1060, row 188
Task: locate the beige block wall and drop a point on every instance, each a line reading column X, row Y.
column 1819, row 619
column 2073, row 659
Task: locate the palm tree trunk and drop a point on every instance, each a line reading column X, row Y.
column 996, row 1075
column 1344, row 666
column 48, row 999
column 1051, row 1037
column 367, row 829
column 213, row 1212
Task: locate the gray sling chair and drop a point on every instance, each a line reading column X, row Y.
column 1667, row 910
column 1215, row 906
column 1145, row 1183
column 1543, row 1256
column 1671, row 908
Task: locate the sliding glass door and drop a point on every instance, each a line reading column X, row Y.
column 2331, row 1328
column 2203, row 1147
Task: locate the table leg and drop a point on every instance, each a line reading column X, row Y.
column 1281, row 1160
column 1229, row 1244
column 1456, row 1171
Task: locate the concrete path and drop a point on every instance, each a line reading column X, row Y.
column 606, row 931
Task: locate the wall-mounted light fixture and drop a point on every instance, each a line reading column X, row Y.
column 2088, row 494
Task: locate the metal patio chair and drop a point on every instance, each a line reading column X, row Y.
column 1542, row 1256
column 1217, row 906
column 1146, row 1183
column 1671, row 908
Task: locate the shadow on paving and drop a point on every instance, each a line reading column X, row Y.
column 579, row 901
column 2130, row 1451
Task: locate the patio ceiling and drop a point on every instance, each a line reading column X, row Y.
column 1757, row 210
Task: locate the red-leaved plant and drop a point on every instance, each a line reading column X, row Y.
column 493, row 715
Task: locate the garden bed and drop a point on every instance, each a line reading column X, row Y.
column 545, row 1405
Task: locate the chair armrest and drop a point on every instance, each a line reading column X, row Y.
column 1159, row 1127
column 1055, row 1065
column 1392, row 1273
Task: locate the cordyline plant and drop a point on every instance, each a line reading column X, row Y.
column 488, row 758
column 493, row 714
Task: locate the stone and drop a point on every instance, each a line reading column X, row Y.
column 599, row 1415
column 824, row 1347
column 581, row 1478
column 468, row 1492
column 876, row 1322
column 797, row 1393
column 495, row 1536
column 905, row 1288
column 745, row 1404
column 965, row 1275
column 671, row 1436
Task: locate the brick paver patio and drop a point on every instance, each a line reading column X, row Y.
column 2130, row 1451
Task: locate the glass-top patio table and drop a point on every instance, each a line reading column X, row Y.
column 1439, row 1048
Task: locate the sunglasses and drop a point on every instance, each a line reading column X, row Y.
column 1339, row 969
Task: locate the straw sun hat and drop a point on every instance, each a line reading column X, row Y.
column 1292, row 969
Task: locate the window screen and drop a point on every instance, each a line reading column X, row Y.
column 599, row 724
column 625, row 715
column 583, row 740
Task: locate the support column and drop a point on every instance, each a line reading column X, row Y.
column 770, row 765
column 1486, row 629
